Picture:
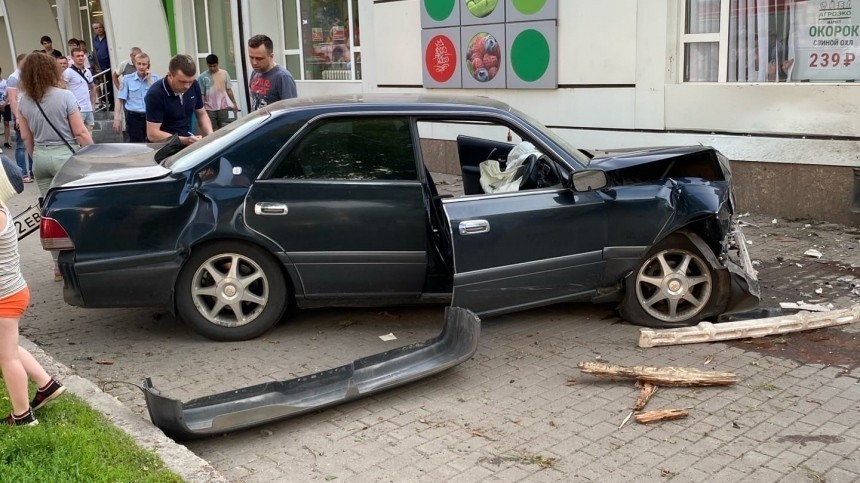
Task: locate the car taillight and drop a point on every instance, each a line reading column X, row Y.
column 53, row 236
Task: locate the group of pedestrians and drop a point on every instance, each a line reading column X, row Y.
column 52, row 109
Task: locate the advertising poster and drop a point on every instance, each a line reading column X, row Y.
column 826, row 40
column 441, row 57
column 528, row 10
column 440, row 13
column 482, row 12
column 532, row 53
column 483, row 52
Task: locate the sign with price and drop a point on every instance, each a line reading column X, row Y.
column 827, row 40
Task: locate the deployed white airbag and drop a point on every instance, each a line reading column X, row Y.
column 495, row 180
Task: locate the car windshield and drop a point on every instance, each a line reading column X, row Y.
column 573, row 151
column 205, row 148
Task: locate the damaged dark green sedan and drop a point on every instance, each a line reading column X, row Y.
column 331, row 201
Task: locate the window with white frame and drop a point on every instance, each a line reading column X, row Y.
column 771, row 40
column 321, row 39
column 214, row 29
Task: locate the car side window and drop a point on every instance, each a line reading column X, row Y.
column 355, row 148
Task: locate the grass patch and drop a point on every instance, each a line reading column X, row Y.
column 73, row 443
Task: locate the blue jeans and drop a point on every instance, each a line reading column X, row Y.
column 25, row 162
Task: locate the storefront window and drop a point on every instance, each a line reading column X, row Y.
column 771, row 41
column 321, row 39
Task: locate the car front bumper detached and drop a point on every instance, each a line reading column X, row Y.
column 273, row 401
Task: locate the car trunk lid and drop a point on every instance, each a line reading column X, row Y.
column 110, row 163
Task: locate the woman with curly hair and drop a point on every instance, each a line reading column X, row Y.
column 50, row 121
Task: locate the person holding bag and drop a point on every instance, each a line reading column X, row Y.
column 50, row 121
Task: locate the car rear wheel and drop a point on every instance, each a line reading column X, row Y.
column 231, row 291
column 674, row 286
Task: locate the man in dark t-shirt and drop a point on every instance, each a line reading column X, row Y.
column 269, row 82
column 171, row 102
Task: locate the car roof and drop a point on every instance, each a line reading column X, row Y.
column 380, row 101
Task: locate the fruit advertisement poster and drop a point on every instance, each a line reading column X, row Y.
column 483, row 50
column 482, row 12
column 490, row 44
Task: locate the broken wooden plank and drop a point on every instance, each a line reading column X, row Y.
column 645, row 392
column 660, row 376
column 661, row 415
column 742, row 329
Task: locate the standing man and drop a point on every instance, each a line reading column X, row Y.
column 216, row 84
column 171, row 101
column 25, row 162
column 79, row 80
column 125, row 68
column 102, row 54
column 269, row 82
column 5, row 111
column 48, row 46
column 130, row 100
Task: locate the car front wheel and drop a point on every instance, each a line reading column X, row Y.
column 231, row 291
column 674, row 286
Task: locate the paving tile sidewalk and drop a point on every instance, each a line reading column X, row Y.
column 519, row 410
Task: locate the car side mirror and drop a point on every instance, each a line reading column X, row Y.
column 588, row 180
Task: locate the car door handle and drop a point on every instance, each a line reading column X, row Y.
column 270, row 209
column 474, row 227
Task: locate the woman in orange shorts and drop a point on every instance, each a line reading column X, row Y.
column 16, row 362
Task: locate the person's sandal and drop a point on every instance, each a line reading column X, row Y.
column 58, row 275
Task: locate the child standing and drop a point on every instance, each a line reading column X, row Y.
column 15, row 361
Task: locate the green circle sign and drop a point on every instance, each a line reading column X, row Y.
column 530, row 55
column 439, row 10
column 529, row 7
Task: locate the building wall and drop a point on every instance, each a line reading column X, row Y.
column 27, row 21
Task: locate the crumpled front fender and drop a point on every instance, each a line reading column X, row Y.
column 273, row 401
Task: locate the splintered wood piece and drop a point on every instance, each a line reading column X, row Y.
column 661, row 376
column 647, row 390
column 661, row 415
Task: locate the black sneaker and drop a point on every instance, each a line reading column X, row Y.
column 7, row 145
column 51, row 391
column 26, row 419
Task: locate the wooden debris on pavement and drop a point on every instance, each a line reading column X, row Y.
column 661, row 376
column 645, row 392
column 753, row 328
column 661, row 415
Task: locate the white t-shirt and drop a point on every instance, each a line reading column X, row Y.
column 80, row 87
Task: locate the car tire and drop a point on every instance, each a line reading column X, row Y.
column 224, row 304
column 660, row 294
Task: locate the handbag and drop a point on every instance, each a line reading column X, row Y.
column 55, row 129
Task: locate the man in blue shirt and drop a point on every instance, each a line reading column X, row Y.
column 100, row 47
column 171, row 101
column 132, row 92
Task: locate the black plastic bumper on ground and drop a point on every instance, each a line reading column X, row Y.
column 263, row 403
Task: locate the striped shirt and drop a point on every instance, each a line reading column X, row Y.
column 11, row 279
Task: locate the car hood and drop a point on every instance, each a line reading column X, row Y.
column 611, row 160
column 110, row 163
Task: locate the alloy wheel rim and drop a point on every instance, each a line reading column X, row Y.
column 230, row 290
column 673, row 285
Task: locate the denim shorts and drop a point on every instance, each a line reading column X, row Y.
column 89, row 119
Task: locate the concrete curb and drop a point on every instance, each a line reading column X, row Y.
column 176, row 457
